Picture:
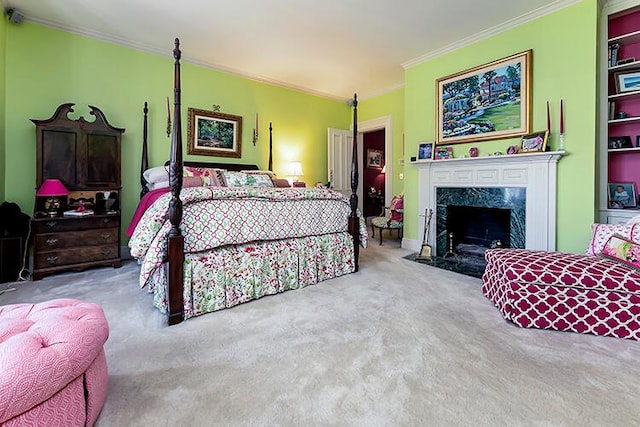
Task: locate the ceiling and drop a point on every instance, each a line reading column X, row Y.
column 327, row 47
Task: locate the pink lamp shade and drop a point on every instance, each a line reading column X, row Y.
column 52, row 187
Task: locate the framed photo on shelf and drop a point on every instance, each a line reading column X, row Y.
column 627, row 81
column 622, row 195
column 534, row 142
column 211, row 133
column 490, row 101
column 425, row 150
column 374, row 158
column 617, row 142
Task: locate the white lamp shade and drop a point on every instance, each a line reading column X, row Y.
column 295, row 169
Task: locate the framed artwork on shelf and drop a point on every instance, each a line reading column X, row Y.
column 534, row 142
column 622, row 195
column 490, row 101
column 627, row 81
column 374, row 158
column 425, row 150
column 617, row 142
column 212, row 133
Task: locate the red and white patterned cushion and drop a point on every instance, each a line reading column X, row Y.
column 562, row 291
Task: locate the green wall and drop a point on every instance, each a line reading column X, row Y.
column 3, row 31
column 47, row 67
column 564, row 67
column 389, row 104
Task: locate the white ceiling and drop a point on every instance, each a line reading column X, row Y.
column 327, row 47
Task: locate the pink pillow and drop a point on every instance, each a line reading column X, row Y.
column 602, row 233
column 397, row 209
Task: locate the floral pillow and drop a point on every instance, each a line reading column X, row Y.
column 242, row 179
column 623, row 250
column 208, row 177
column 602, row 232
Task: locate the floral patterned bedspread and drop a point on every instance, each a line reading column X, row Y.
column 218, row 216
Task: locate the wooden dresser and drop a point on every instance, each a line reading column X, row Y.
column 67, row 243
column 85, row 157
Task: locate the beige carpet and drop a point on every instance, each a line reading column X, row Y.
column 399, row 343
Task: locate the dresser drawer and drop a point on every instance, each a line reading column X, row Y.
column 71, row 239
column 75, row 256
column 73, row 224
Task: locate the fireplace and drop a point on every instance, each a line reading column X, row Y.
column 524, row 183
column 473, row 229
column 480, row 216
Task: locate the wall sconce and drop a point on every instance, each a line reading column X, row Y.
column 255, row 131
column 295, row 170
column 51, row 191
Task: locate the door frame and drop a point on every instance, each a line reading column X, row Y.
column 383, row 122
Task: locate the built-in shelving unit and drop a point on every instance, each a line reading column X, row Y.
column 619, row 108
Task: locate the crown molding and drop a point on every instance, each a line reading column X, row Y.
column 613, row 6
column 86, row 32
column 376, row 93
column 489, row 32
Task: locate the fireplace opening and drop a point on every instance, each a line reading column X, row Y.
column 472, row 229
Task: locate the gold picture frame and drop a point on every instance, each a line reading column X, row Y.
column 534, row 142
column 469, row 101
column 211, row 133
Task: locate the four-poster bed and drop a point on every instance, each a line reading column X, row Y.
column 252, row 241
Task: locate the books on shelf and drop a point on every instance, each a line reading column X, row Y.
column 86, row 212
column 614, row 49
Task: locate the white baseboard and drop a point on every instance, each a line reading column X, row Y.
column 411, row 244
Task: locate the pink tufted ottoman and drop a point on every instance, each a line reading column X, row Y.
column 53, row 369
column 564, row 292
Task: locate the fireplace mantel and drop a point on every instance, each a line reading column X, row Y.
column 534, row 171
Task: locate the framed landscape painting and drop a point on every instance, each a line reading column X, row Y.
column 491, row 101
column 214, row 134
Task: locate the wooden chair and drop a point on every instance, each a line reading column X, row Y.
column 394, row 221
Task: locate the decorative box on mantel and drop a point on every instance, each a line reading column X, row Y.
column 535, row 172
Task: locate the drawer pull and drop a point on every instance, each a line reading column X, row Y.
column 52, row 242
column 106, row 220
column 52, row 224
column 52, row 259
column 105, row 236
column 106, row 252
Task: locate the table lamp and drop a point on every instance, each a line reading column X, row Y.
column 295, row 169
column 51, row 191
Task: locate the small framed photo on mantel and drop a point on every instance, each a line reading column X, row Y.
column 534, row 142
column 425, row 150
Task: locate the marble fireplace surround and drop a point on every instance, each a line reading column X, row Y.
column 536, row 172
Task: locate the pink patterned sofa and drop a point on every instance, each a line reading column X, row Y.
column 582, row 293
column 54, row 370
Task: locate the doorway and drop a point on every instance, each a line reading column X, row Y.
column 373, row 176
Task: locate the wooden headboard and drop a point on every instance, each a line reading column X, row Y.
column 227, row 166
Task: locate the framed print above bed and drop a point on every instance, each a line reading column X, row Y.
column 214, row 134
column 491, row 101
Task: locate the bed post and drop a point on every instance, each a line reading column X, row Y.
column 144, row 165
column 176, row 240
column 270, row 147
column 354, row 226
